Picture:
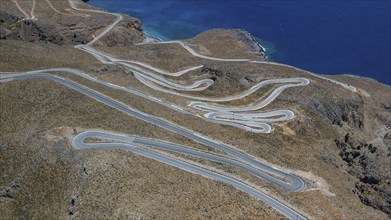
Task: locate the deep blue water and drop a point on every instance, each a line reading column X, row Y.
column 330, row 37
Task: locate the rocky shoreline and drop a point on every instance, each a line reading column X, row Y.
column 249, row 40
column 261, row 49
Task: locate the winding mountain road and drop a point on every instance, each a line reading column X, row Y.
column 245, row 161
column 148, row 75
column 27, row 16
column 196, row 54
column 128, row 143
column 145, row 75
column 297, row 183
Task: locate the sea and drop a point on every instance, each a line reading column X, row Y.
column 326, row 37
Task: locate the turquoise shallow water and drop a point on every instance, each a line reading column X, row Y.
column 330, row 37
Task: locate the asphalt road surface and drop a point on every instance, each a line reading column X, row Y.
column 235, row 116
column 132, row 144
column 244, row 161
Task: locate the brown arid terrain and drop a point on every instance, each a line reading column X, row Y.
column 339, row 141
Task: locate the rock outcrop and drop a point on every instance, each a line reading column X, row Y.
column 365, row 162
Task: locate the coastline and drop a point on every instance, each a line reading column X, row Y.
column 262, row 50
column 150, row 39
column 315, row 50
column 151, row 36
